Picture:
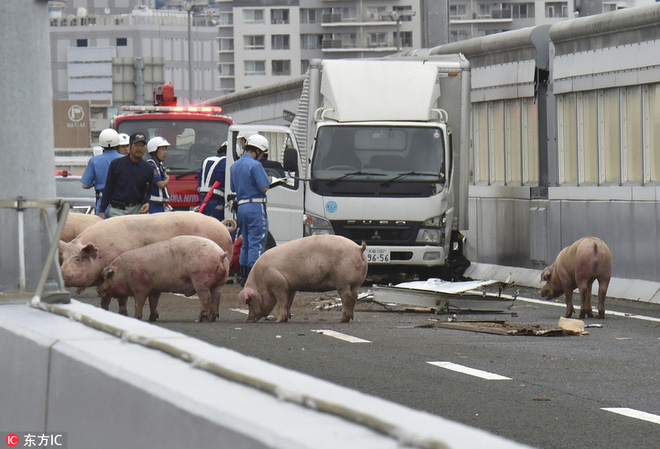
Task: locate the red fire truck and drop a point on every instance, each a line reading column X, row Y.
column 194, row 133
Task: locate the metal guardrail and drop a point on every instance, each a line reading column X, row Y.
column 61, row 296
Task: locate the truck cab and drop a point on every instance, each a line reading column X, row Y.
column 387, row 157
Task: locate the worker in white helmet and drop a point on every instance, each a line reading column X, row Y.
column 212, row 171
column 250, row 182
column 157, row 148
column 124, row 143
column 96, row 171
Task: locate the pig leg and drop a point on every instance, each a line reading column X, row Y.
column 585, row 300
column 216, row 295
column 153, row 306
column 602, row 292
column 205, row 299
column 569, row 303
column 289, row 303
column 105, row 302
column 348, row 298
column 139, row 298
column 282, row 297
column 122, row 301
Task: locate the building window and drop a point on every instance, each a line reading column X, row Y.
column 255, row 68
column 311, row 41
column 377, row 39
column 122, row 42
column 254, row 42
column 279, row 16
column 457, row 11
column 304, row 66
column 226, row 44
column 403, row 8
column 406, row 38
column 226, row 70
column 522, row 10
column 311, row 15
column 344, row 14
column 225, row 19
column 282, row 67
column 556, row 9
column 81, row 42
column 253, row 16
column 280, row 42
column 458, row 35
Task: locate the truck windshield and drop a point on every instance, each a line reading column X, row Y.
column 191, row 141
column 379, row 153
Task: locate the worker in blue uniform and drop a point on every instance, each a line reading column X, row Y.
column 157, row 148
column 129, row 181
column 97, row 168
column 213, row 169
column 250, row 182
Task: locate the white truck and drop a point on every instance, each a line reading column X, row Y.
column 383, row 158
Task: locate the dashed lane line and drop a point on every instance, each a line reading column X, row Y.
column 340, row 336
column 577, row 308
column 470, row 371
column 632, row 413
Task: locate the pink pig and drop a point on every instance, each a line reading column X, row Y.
column 84, row 257
column 318, row 263
column 184, row 264
column 77, row 223
column 578, row 266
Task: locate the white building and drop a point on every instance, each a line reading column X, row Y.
column 85, row 52
column 246, row 43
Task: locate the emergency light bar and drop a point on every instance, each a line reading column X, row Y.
column 196, row 109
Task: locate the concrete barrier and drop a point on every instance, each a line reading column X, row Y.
column 630, row 289
column 128, row 384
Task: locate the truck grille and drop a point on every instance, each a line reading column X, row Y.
column 378, row 232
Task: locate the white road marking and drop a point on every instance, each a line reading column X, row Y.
column 243, row 311
column 632, row 413
column 340, row 336
column 470, row 371
column 577, row 308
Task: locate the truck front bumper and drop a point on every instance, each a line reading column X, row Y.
column 428, row 256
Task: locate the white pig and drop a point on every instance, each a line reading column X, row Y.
column 318, row 263
column 84, row 258
column 184, row 264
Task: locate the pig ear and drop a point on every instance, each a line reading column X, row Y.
column 246, row 295
column 61, row 245
column 108, row 272
column 545, row 275
column 89, row 251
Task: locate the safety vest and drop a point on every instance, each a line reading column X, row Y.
column 158, row 195
column 208, row 169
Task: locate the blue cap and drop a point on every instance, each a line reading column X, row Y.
column 138, row 137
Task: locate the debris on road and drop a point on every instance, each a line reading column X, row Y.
column 445, row 296
column 499, row 327
column 572, row 326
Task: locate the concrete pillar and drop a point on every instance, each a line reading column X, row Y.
column 27, row 160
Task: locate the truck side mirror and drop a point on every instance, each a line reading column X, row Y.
column 290, row 159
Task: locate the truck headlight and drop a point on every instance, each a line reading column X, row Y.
column 432, row 231
column 313, row 225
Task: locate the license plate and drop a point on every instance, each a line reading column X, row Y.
column 377, row 255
